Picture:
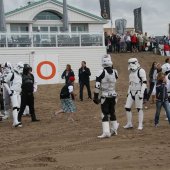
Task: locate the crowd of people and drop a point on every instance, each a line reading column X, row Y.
column 17, row 92
column 137, row 43
column 18, row 87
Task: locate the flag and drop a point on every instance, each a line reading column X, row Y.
column 105, row 9
column 2, row 17
column 120, row 25
column 138, row 20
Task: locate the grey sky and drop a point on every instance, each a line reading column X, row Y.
column 156, row 15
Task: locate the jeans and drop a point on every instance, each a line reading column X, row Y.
column 159, row 105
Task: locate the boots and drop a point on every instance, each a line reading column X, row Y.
column 106, row 130
column 15, row 119
column 140, row 126
column 6, row 115
column 114, row 127
column 1, row 115
column 129, row 120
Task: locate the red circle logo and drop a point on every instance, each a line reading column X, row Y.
column 53, row 73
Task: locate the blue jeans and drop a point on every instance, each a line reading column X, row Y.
column 159, row 105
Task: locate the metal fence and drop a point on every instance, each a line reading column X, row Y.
column 50, row 39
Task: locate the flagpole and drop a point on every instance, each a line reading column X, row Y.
column 2, row 17
column 65, row 16
column 111, row 20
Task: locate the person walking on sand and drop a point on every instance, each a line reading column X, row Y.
column 67, row 98
column 161, row 98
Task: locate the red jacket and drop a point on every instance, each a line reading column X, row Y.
column 166, row 47
column 134, row 39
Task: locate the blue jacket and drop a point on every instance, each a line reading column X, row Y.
column 161, row 92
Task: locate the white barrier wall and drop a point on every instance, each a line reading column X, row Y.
column 49, row 63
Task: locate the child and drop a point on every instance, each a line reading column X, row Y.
column 161, row 98
column 67, row 96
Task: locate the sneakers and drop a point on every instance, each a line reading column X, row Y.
column 156, row 125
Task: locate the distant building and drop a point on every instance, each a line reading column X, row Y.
column 110, row 30
column 47, row 16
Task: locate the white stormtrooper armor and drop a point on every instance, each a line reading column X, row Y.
column 137, row 86
column 105, row 86
column 7, row 68
column 1, row 87
column 14, row 90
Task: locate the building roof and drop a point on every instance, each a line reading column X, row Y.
column 59, row 3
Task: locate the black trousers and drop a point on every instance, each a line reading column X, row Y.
column 108, row 108
column 27, row 99
column 87, row 84
column 152, row 84
column 1, row 101
column 129, row 46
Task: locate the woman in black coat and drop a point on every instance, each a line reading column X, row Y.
column 68, row 72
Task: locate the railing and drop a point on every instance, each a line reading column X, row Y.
column 50, row 39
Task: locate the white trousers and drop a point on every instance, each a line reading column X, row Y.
column 16, row 102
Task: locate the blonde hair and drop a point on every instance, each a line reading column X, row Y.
column 161, row 76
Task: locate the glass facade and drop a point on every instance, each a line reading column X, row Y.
column 79, row 28
column 15, row 28
column 48, row 15
column 48, row 29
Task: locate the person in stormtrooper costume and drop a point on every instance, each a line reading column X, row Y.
column 137, row 86
column 1, row 94
column 105, row 86
column 12, row 82
column 7, row 68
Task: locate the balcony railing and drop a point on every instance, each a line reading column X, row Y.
column 50, row 39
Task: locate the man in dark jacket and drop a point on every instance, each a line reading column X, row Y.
column 84, row 79
column 27, row 96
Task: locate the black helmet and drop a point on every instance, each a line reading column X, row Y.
column 27, row 69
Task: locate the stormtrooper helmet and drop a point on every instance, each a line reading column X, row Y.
column 106, row 61
column 7, row 67
column 19, row 67
column 133, row 64
column 166, row 68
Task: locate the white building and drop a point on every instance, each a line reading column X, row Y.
column 34, row 35
column 47, row 16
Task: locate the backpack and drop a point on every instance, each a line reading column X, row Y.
column 64, row 94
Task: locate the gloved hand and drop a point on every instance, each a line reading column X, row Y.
column 96, row 99
column 12, row 92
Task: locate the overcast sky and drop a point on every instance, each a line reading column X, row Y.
column 156, row 13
